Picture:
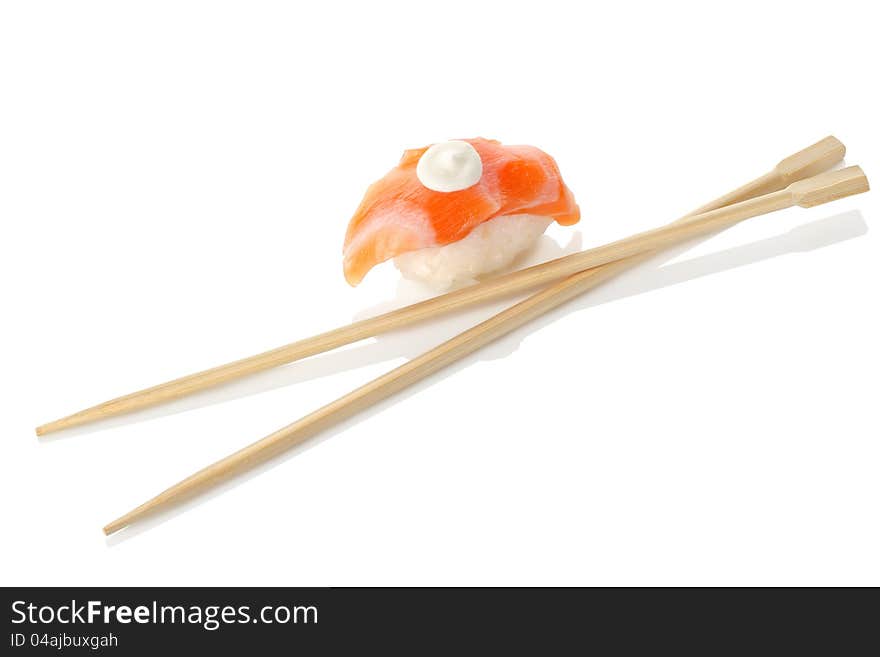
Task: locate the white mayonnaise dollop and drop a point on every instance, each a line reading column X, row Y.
column 450, row 166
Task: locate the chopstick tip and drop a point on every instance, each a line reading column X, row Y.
column 112, row 528
column 50, row 427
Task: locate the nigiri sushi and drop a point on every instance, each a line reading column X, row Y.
column 457, row 210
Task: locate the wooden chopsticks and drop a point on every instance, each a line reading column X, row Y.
column 806, row 193
column 812, row 160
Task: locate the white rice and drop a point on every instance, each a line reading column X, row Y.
column 491, row 246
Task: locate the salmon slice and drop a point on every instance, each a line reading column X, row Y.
column 398, row 214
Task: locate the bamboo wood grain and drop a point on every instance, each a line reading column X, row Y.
column 809, row 161
column 812, row 191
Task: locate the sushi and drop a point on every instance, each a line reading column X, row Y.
column 455, row 211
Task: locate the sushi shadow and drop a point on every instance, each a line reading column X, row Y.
column 651, row 275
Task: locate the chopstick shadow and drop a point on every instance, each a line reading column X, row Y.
column 655, row 275
column 404, row 343
column 645, row 278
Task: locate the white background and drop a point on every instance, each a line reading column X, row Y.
column 175, row 182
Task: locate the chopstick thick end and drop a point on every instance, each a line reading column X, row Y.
column 814, row 159
column 829, row 186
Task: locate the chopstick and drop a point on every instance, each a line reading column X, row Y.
column 807, row 162
column 806, row 193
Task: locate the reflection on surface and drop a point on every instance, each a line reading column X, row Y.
column 649, row 276
column 409, row 342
